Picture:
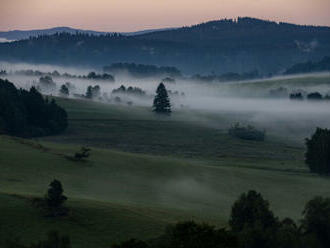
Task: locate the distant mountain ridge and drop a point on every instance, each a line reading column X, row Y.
column 242, row 45
column 25, row 34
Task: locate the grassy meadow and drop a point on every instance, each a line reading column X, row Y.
column 144, row 173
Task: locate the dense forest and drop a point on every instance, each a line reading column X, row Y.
column 308, row 67
column 28, row 114
column 241, row 45
column 142, row 71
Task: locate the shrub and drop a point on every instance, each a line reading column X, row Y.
column 247, row 133
column 296, row 96
column 314, row 96
column 83, row 153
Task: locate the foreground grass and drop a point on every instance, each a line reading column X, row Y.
column 90, row 223
column 116, row 195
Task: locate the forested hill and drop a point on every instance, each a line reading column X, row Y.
column 241, row 45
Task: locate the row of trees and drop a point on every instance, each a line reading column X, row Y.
column 252, row 225
column 310, row 96
column 247, row 132
column 26, row 113
column 142, row 70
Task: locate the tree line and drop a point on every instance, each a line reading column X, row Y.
column 252, row 224
column 27, row 114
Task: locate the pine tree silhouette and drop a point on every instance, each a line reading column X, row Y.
column 161, row 101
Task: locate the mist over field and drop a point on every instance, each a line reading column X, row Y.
column 217, row 105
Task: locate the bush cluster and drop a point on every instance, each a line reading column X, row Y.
column 247, row 133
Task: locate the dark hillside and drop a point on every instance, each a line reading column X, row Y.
column 241, row 45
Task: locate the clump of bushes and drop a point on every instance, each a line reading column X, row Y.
column 83, row 153
column 314, row 96
column 296, row 96
column 247, row 132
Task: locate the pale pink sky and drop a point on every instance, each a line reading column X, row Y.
column 132, row 15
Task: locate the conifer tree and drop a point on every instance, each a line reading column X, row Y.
column 161, row 101
column 55, row 198
column 317, row 156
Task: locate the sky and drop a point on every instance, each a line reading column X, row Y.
column 133, row 15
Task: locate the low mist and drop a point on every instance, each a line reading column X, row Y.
column 217, row 105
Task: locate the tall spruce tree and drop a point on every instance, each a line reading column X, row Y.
column 161, row 101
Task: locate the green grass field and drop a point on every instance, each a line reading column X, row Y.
column 144, row 173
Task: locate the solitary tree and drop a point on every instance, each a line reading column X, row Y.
column 64, row 91
column 251, row 211
column 55, row 198
column 317, row 156
column 161, row 101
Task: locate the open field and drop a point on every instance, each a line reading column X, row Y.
column 146, row 172
column 117, row 192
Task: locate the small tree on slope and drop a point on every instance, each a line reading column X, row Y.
column 161, row 101
column 55, row 198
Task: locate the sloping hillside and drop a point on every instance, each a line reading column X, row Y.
column 219, row 46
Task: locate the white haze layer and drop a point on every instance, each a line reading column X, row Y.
column 217, row 105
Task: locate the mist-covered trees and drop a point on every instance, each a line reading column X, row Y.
column 26, row 113
column 246, row 132
column 136, row 91
column 64, row 90
column 161, row 101
column 55, row 198
column 46, row 82
column 296, row 96
column 317, row 156
column 104, row 76
column 93, row 92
